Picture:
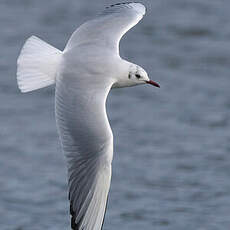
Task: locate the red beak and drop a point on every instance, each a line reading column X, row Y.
column 153, row 83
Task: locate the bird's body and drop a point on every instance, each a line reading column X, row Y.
column 84, row 73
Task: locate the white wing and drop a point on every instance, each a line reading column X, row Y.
column 108, row 28
column 87, row 142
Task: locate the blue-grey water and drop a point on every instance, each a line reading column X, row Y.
column 171, row 168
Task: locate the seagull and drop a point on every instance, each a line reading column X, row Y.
column 83, row 74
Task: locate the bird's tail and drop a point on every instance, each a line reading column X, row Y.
column 37, row 65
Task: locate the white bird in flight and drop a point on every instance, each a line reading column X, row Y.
column 84, row 73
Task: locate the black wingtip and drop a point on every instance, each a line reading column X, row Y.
column 120, row 3
column 124, row 3
column 73, row 217
column 74, row 225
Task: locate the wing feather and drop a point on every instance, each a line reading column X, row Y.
column 88, row 150
column 108, row 28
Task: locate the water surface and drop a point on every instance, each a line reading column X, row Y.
column 171, row 163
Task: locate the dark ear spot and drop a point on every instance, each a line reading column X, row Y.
column 129, row 76
column 138, row 76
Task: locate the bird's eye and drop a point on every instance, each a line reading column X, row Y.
column 138, row 75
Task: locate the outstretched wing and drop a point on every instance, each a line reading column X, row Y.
column 87, row 142
column 108, row 28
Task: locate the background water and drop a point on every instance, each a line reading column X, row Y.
column 171, row 165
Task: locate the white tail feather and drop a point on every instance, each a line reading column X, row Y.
column 37, row 65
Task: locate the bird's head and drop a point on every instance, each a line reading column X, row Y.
column 134, row 75
column 137, row 75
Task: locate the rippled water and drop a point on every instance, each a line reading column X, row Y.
column 171, row 165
